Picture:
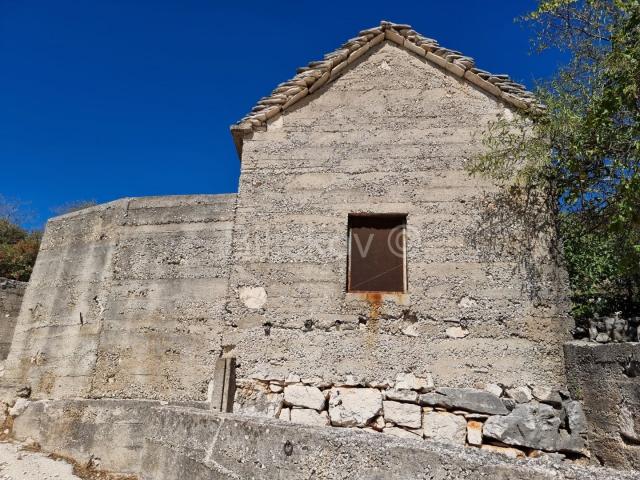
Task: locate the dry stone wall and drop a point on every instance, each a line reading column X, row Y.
column 518, row 422
column 486, row 301
column 11, row 293
column 126, row 301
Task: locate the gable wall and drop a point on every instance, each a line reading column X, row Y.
column 390, row 136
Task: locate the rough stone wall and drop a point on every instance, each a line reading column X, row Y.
column 11, row 293
column 125, row 301
column 607, row 380
column 390, row 136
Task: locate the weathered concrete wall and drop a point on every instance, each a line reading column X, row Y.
column 167, row 443
column 607, row 380
column 11, row 293
column 390, row 136
column 125, row 301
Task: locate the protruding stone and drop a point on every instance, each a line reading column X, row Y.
column 285, row 414
column 533, row 425
column 469, row 399
column 520, row 394
column 304, row 396
column 444, row 427
column 378, row 424
column 309, row 417
column 354, row 407
column 19, row 407
column 474, row 433
column 253, row 297
column 547, row 395
column 493, row 388
column 408, row 396
column 292, row 379
column 403, row 414
column 408, row 381
column 456, row 332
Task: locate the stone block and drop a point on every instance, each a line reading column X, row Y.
column 444, row 427
column 408, row 381
column 304, row 396
column 306, row 416
column 469, row 399
column 402, row 414
column 533, row 425
column 474, row 433
column 354, row 407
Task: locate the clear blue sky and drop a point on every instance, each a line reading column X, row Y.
column 105, row 99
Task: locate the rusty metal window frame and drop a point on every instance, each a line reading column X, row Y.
column 402, row 220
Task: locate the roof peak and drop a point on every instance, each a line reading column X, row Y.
column 318, row 73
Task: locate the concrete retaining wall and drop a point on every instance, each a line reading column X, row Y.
column 392, row 135
column 11, row 293
column 126, row 301
column 607, row 380
column 171, row 443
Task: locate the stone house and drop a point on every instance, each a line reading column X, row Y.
column 358, row 254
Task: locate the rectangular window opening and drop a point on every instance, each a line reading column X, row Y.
column 377, row 254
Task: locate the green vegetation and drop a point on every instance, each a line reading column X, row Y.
column 18, row 247
column 582, row 154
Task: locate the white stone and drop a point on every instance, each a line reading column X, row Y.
column 285, row 414
column 474, row 433
column 275, row 388
column 403, row 414
column 354, row 407
column 456, row 332
column 253, row 297
column 520, row 394
column 401, row 433
column 309, row 417
column 291, row 379
column 19, row 407
column 444, row 427
column 408, row 381
column 304, row 396
column 493, row 388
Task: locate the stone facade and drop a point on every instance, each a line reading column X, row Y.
column 11, row 293
column 391, row 135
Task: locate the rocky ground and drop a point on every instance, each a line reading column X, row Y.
column 18, row 462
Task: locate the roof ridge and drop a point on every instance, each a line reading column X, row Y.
column 317, row 73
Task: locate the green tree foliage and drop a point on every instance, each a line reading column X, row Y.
column 582, row 153
column 18, row 247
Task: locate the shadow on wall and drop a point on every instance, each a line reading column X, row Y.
column 518, row 226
